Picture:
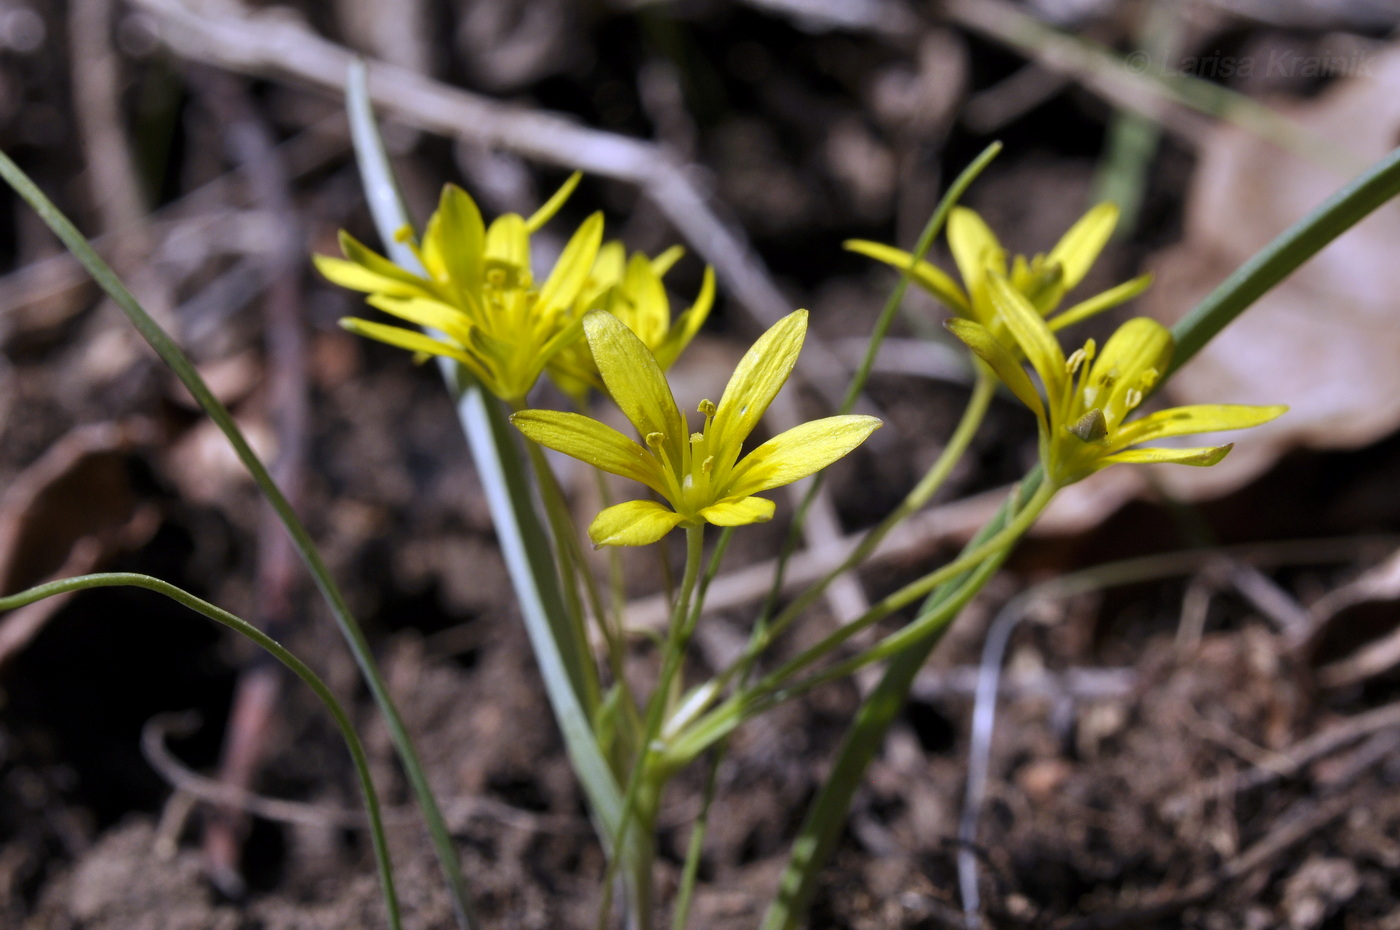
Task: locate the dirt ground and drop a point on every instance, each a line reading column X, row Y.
column 1212, row 747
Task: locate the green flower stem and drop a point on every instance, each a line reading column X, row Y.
column 573, row 567
column 564, row 661
column 826, row 815
column 929, row 485
column 1280, row 258
column 617, row 593
column 737, row 708
column 645, row 782
column 867, row 363
column 280, row 653
column 175, row 358
column 680, row 916
column 494, row 448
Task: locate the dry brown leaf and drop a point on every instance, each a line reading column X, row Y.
column 1326, row 341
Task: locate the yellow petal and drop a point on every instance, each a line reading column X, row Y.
column 666, row 260
column 590, row 441
column 427, row 313
column 572, row 269
column 1080, row 246
column 1001, row 361
column 610, row 264
column 799, row 452
column 685, row 328
column 412, row 341
column 1203, row 456
column 975, row 249
column 688, row 323
column 1135, row 350
column 650, row 315
column 456, row 238
column 1203, row 418
column 551, row 206
column 756, row 381
column 508, row 241
column 634, row 523
column 635, row 380
column 1033, row 336
column 1097, row 304
column 356, row 277
column 739, row 511
column 927, row 276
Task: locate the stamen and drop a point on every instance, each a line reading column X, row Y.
column 708, row 465
column 707, row 408
column 1132, row 398
column 1076, row 358
column 655, row 439
column 696, row 438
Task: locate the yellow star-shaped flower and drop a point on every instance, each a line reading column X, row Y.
column 1089, row 395
column 478, row 297
column 1043, row 280
column 701, row 475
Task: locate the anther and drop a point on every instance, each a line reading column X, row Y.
column 707, row 408
column 654, row 440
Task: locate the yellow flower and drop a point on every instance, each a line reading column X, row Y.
column 631, row 290
column 701, row 474
column 478, row 298
column 1043, row 280
column 1089, row 395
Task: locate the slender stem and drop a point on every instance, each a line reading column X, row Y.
column 280, row 653
column 826, row 814
column 617, row 594
column 929, row 485
column 175, row 359
column 746, row 703
column 572, row 567
column 867, row 363
column 677, row 636
column 680, row 917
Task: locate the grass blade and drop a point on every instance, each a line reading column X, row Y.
column 497, row 456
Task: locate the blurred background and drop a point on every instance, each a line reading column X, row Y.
column 1213, row 745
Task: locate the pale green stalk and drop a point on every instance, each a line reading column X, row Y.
column 826, row 815
column 639, row 802
column 279, row 652
column 867, row 364
column 564, row 661
column 739, row 707
column 175, row 359
column 922, row 493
